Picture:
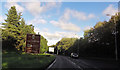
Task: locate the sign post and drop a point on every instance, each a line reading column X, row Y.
column 33, row 43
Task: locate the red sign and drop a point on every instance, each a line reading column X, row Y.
column 33, row 43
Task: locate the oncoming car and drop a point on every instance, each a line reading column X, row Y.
column 74, row 55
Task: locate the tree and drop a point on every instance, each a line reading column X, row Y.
column 99, row 39
column 64, row 44
column 11, row 32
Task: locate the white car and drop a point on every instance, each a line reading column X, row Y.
column 74, row 55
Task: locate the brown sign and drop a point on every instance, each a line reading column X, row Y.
column 33, row 43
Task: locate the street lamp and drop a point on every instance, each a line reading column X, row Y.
column 115, row 32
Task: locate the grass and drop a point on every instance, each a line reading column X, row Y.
column 14, row 60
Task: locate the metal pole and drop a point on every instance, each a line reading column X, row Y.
column 115, row 41
column 78, row 46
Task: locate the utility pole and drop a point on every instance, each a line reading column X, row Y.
column 115, row 32
column 115, row 40
column 78, row 46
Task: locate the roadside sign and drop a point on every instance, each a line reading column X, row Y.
column 51, row 49
column 33, row 43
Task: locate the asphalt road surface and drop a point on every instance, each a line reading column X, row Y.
column 63, row 63
column 67, row 63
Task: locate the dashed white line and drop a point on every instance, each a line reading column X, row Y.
column 89, row 65
column 75, row 64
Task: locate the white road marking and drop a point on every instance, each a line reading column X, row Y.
column 75, row 64
column 51, row 65
column 89, row 65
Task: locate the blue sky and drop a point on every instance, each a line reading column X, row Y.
column 55, row 20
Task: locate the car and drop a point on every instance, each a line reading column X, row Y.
column 74, row 55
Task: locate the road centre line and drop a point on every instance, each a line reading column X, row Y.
column 75, row 64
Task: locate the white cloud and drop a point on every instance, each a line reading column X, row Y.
column 87, row 27
column 13, row 0
column 39, row 7
column 0, row 25
column 45, row 29
column 64, row 21
column 19, row 8
column 68, row 34
column 66, row 15
column 76, row 14
column 91, row 16
column 2, row 20
column 37, row 21
column 53, row 42
column 34, row 7
column 36, row 30
column 53, row 38
column 65, row 25
column 59, row 35
column 110, row 10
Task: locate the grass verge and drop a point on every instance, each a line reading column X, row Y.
column 14, row 60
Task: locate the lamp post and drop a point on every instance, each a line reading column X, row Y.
column 115, row 32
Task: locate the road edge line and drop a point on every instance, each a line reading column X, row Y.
column 51, row 65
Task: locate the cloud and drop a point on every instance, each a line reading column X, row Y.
column 36, row 30
column 45, row 29
column 65, row 25
column 58, row 35
column 0, row 25
column 47, row 35
column 37, row 21
column 91, row 16
column 19, row 8
column 53, row 38
column 2, row 18
column 110, row 10
column 68, row 34
column 64, row 21
column 87, row 27
column 36, row 8
column 76, row 14
column 13, row 0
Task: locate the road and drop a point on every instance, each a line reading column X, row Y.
column 67, row 63
column 62, row 63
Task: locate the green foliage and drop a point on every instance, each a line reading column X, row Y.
column 99, row 41
column 15, row 30
column 10, row 33
column 43, row 45
column 64, row 44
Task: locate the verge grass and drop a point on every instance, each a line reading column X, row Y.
column 15, row 60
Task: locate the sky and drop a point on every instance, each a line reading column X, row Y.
column 55, row 20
